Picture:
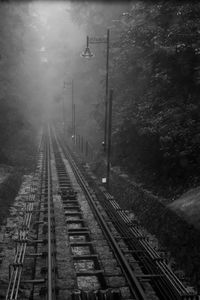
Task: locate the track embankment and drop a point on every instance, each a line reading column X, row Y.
column 173, row 231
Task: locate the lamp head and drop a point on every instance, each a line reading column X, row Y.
column 87, row 53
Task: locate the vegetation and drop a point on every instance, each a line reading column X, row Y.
column 155, row 75
column 8, row 191
column 16, row 127
column 154, row 70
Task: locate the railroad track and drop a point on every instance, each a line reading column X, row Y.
column 133, row 282
column 71, row 235
column 165, row 282
column 15, row 270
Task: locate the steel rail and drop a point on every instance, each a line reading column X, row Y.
column 15, row 276
column 41, row 179
column 51, row 248
column 155, row 256
column 168, row 285
column 135, row 244
column 169, row 281
column 134, row 285
column 13, row 287
column 49, row 228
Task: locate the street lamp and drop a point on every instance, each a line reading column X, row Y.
column 88, row 54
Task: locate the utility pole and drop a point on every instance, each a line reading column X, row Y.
column 63, row 115
column 74, row 122
column 72, row 91
column 109, row 138
column 107, row 86
column 72, row 108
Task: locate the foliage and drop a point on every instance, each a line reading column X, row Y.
column 15, row 127
column 159, row 122
column 92, row 17
column 154, row 70
column 8, row 191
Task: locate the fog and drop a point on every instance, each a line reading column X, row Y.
column 41, row 48
column 58, row 42
column 153, row 69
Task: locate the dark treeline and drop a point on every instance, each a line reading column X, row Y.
column 154, row 70
column 17, row 114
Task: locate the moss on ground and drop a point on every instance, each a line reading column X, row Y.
column 8, row 191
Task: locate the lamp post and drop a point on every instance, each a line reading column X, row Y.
column 88, row 54
column 63, row 116
column 74, row 123
column 109, row 138
column 73, row 108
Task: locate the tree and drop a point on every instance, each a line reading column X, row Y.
column 15, row 128
column 155, row 76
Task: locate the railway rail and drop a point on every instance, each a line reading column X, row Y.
column 15, row 270
column 134, row 284
column 165, row 282
column 38, row 245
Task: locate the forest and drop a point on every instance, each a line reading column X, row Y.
column 154, row 71
column 17, row 115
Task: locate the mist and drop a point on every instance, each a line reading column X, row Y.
column 57, row 43
column 63, row 62
column 153, row 61
column 53, row 36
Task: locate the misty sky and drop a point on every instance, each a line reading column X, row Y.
column 58, row 42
